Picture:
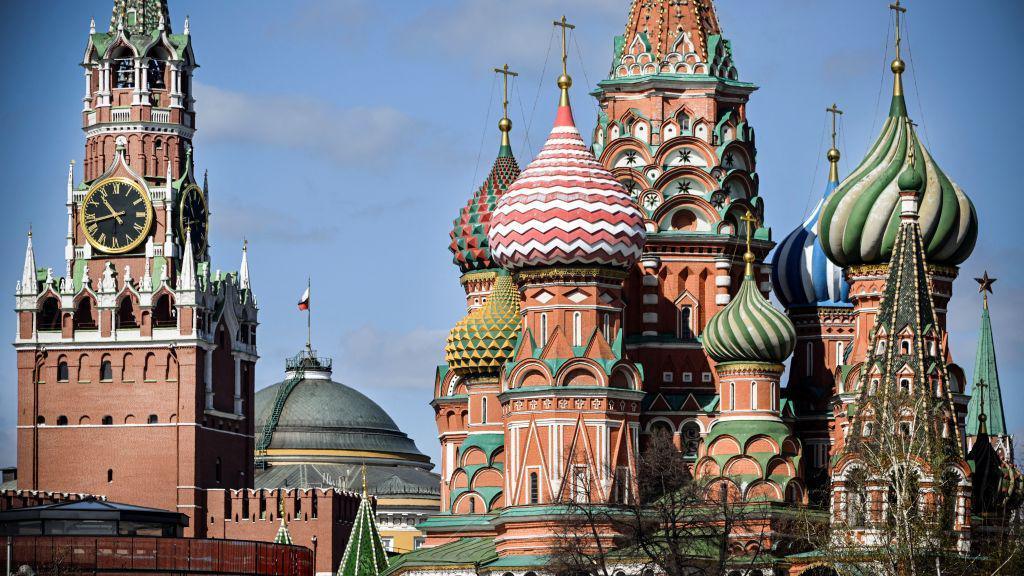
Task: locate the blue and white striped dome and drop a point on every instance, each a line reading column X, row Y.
column 801, row 274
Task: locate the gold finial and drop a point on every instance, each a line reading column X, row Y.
column 505, row 124
column 833, row 154
column 748, row 256
column 898, row 66
column 280, row 510
column 364, row 479
column 564, row 81
column 985, row 287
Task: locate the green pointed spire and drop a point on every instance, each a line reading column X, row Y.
column 986, row 377
column 364, row 554
column 283, row 535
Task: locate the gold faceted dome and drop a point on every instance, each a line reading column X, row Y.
column 484, row 340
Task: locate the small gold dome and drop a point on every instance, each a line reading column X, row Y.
column 833, row 155
column 898, row 66
column 505, row 125
column 564, row 81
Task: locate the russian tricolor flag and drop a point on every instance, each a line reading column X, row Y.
column 304, row 301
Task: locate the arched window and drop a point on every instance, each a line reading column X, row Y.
column 691, row 440
column 732, row 395
column 543, row 329
column 108, row 420
column 40, row 420
column 152, row 419
column 607, row 327
column 577, row 329
column 472, row 505
column 905, row 347
column 686, row 322
column 905, row 385
column 874, row 386
column 48, row 318
column 124, row 69
column 856, row 498
column 84, row 319
column 483, row 410
column 62, row 420
column 106, row 370
column 63, row 374
column 155, row 72
column 753, row 395
column 164, row 315
column 775, row 396
column 809, row 359
column 110, row 474
column 840, row 353
column 126, row 314
column 534, row 488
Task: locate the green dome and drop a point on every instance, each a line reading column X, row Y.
column 749, row 329
column 860, row 219
column 910, row 179
column 484, row 340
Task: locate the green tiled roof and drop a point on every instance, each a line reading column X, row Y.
column 489, row 443
column 462, row 552
column 364, row 553
column 985, row 370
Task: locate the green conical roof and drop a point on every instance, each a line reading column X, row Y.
column 985, row 370
column 283, row 535
column 860, row 220
column 749, row 329
column 364, row 553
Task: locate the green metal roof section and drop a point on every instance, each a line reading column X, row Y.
column 462, row 552
column 489, row 443
column 989, row 397
column 364, row 553
column 460, row 521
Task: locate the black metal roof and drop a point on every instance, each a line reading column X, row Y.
column 94, row 509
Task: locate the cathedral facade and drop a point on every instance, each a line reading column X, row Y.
column 620, row 289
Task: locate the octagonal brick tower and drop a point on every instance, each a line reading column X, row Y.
column 673, row 129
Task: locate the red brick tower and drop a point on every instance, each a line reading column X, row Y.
column 136, row 368
column 673, row 129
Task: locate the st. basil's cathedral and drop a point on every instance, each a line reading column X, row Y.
column 615, row 291
column 620, row 290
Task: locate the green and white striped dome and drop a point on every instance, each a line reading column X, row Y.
column 859, row 220
column 749, row 329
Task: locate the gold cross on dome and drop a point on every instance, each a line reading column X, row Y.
column 898, row 10
column 835, row 112
column 564, row 24
column 505, row 72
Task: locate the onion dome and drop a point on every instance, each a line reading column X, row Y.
column 801, row 274
column 566, row 208
column 484, row 340
column 859, row 221
column 469, row 234
column 749, row 329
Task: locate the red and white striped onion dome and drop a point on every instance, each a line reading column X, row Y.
column 566, row 209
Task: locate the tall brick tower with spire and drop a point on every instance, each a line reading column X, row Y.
column 136, row 366
column 673, row 130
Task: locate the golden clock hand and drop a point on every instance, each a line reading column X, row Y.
column 107, row 217
column 113, row 213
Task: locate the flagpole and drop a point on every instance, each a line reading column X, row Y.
column 309, row 318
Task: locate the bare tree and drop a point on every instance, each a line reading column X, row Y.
column 669, row 523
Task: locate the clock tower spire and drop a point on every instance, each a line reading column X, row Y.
column 138, row 357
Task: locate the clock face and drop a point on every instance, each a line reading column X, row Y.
column 193, row 216
column 116, row 215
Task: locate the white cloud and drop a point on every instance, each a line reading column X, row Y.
column 348, row 136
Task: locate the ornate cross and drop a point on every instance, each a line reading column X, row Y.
column 564, row 24
column 751, row 222
column 505, row 72
column 835, row 112
column 898, row 11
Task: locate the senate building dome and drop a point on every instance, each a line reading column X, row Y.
column 313, row 432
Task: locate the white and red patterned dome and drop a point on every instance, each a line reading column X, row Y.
column 566, row 209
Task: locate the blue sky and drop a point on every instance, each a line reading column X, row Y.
column 342, row 137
